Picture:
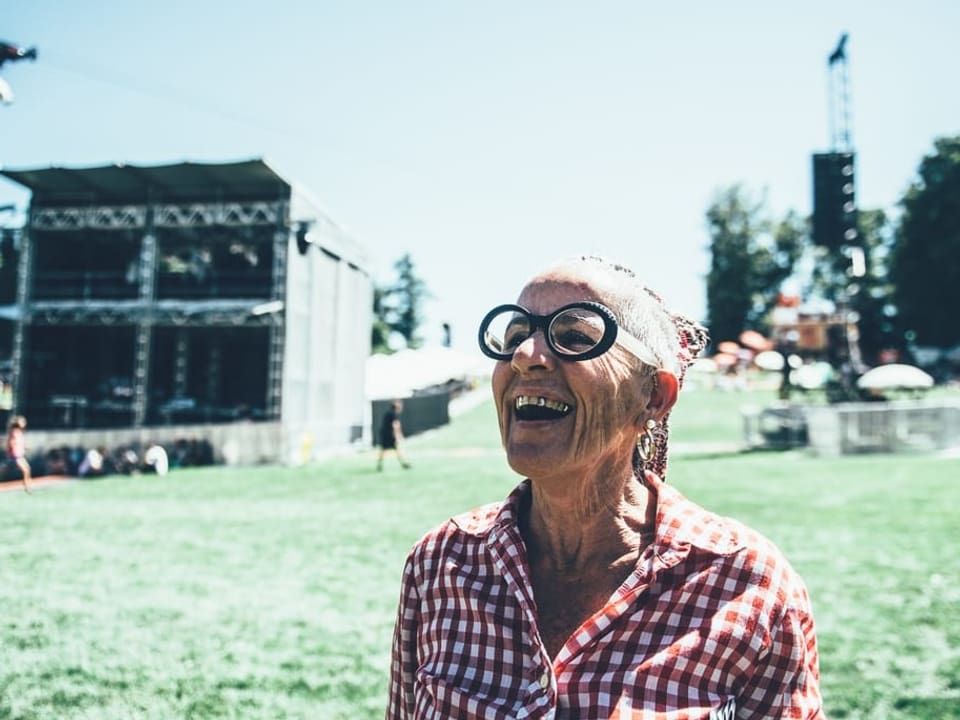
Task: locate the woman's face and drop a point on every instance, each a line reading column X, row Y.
column 558, row 416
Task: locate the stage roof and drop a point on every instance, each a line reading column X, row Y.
column 138, row 184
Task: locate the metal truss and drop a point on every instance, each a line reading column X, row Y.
column 229, row 213
column 123, row 217
column 277, row 329
column 182, row 314
column 104, row 217
column 20, row 341
column 141, row 353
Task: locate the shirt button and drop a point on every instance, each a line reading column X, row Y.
column 544, row 681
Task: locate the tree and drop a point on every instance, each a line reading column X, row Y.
column 750, row 257
column 870, row 294
column 409, row 293
column 398, row 307
column 925, row 265
column 380, row 333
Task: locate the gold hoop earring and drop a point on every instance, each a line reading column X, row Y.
column 646, row 444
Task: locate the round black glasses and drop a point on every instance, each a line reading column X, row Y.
column 578, row 331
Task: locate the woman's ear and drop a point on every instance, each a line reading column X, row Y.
column 663, row 394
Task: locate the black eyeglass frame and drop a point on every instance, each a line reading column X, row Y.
column 543, row 322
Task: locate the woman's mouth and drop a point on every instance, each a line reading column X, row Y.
column 533, row 407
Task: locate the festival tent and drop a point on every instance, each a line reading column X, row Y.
column 895, row 376
column 769, row 360
column 403, row 373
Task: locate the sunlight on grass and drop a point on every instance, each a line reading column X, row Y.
column 271, row 592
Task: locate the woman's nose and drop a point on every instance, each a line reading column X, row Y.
column 533, row 353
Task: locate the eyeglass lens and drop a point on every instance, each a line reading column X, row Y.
column 571, row 332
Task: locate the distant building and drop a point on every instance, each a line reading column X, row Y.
column 183, row 299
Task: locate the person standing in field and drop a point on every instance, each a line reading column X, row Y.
column 596, row 590
column 17, row 451
column 391, row 435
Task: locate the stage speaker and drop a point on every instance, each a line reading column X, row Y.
column 834, row 200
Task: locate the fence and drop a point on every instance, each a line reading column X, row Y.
column 895, row 426
column 849, row 428
column 420, row 413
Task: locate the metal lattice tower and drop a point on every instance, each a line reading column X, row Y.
column 838, row 77
column 277, row 325
column 20, row 339
column 142, row 342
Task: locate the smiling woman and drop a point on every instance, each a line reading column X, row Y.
column 595, row 590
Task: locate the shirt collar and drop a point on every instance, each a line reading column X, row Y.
column 484, row 519
column 681, row 524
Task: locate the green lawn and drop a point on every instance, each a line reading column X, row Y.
column 270, row 593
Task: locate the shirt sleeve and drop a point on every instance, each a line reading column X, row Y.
column 786, row 683
column 403, row 656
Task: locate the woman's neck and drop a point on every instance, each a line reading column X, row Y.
column 585, row 527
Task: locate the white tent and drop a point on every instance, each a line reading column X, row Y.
column 895, row 376
column 769, row 360
column 400, row 374
column 812, row 376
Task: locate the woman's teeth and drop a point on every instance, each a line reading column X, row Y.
column 525, row 401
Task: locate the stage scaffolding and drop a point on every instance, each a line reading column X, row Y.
column 184, row 294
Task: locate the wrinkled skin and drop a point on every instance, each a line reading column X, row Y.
column 589, row 515
column 586, row 456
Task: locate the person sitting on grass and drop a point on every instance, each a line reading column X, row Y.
column 595, row 590
column 16, row 464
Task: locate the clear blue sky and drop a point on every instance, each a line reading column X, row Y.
column 490, row 138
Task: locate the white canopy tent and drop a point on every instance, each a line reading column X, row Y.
column 400, row 374
column 895, row 376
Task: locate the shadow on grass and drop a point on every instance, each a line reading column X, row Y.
column 931, row 708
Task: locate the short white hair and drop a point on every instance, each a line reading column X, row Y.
column 672, row 339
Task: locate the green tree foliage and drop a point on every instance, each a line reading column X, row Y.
column 751, row 256
column 398, row 307
column 380, row 333
column 925, row 266
column 870, row 296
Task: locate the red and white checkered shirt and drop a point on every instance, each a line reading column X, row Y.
column 712, row 623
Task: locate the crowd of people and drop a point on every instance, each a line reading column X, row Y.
column 76, row 461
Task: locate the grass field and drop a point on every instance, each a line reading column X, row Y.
column 270, row 593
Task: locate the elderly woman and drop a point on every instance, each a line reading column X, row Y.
column 595, row 590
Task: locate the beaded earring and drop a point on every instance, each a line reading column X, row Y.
column 646, row 444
